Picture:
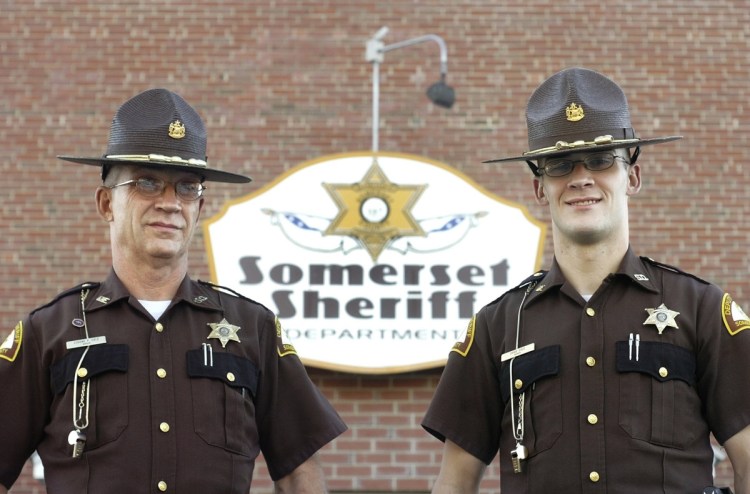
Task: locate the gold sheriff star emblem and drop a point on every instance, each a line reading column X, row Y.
column 375, row 211
column 661, row 317
column 224, row 332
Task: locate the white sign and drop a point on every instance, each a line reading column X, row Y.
column 373, row 263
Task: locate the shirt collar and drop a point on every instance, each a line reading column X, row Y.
column 112, row 290
column 631, row 267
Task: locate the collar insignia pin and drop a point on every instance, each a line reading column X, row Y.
column 661, row 317
column 102, row 299
column 224, row 332
column 200, row 299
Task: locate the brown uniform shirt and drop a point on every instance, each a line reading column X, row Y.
column 169, row 408
column 620, row 392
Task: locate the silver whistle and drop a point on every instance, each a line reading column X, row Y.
column 516, row 456
column 77, row 439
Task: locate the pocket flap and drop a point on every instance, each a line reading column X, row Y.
column 234, row 371
column 662, row 361
column 530, row 368
column 99, row 359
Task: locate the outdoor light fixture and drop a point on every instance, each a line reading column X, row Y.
column 439, row 93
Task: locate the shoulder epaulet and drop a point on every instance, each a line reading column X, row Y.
column 531, row 279
column 226, row 290
column 673, row 269
column 220, row 288
column 70, row 291
column 525, row 284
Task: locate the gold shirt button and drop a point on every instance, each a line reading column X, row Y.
column 164, row 427
column 161, row 373
column 593, row 419
column 663, row 372
column 594, row 476
column 159, row 328
column 591, row 312
column 518, row 384
column 590, row 361
column 230, row 377
column 162, row 486
column 82, row 372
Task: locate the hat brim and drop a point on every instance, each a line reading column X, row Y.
column 208, row 174
column 631, row 143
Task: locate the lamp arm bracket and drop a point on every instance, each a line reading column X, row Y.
column 422, row 39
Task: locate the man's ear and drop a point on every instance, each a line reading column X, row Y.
column 103, row 197
column 634, row 179
column 539, row 194
column 200, row 210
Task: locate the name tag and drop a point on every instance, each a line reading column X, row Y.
column 518, row 351
column 96, row 340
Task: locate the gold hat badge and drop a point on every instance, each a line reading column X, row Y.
column 176, row 130
column 574, row 112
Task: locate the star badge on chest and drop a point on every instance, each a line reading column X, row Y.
column 224, row 332
column 661, row 317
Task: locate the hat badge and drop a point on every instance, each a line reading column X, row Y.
column 574, row 113
column 176, row 130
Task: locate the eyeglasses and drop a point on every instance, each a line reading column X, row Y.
column 594, row 162
column 187, row 190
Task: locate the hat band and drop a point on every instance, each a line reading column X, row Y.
column 598, row 141
column 159, row 158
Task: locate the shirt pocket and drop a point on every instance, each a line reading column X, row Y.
column 658, row 399
column 224, row 390
column 536, row 375
column 103, row 373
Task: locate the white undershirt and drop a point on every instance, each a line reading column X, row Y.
column 155, row 307
column 586, row 297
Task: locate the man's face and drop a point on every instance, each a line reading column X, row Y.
column 149, row 229
column 589, row 206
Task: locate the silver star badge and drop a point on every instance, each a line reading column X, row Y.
column 661, row 317
column 224, row 332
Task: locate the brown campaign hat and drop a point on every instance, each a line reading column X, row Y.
column 159, row 129
column 578, row 110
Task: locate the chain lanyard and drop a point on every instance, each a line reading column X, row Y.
column 77, row 438
column 519, row 452
column 518, row 428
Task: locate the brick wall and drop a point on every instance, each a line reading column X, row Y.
column 282, row 82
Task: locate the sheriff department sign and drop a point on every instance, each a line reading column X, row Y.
column 374, row 263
